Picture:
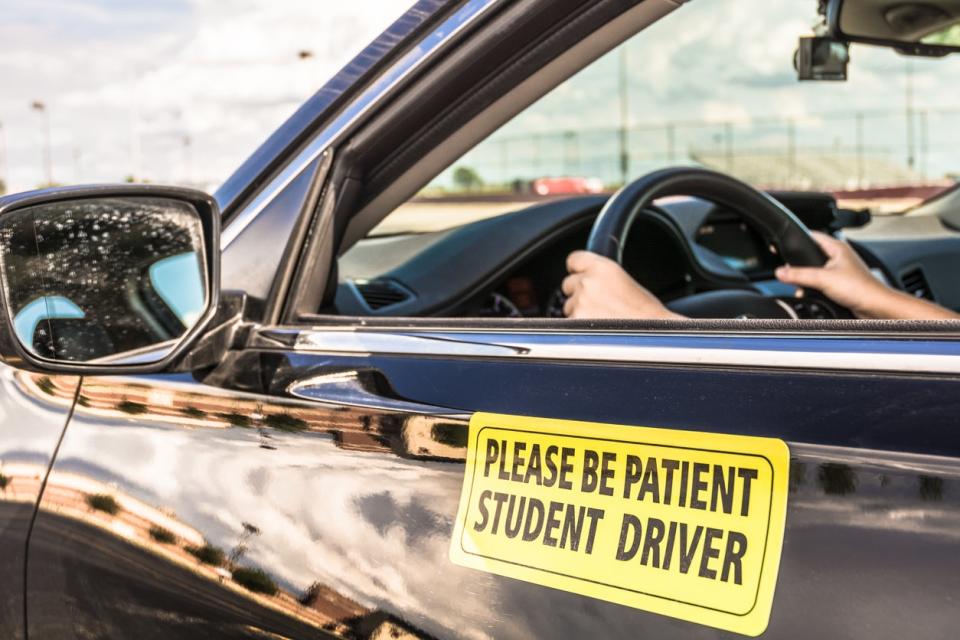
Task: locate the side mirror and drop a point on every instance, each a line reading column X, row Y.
column 108, row 280
column 930, row 28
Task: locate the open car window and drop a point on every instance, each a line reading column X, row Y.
column 684, row 92
column 839, row 155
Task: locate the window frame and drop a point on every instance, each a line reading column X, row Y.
column 357, row 195
column 343, row 193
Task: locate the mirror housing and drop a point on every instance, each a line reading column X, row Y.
column 820, row 58
column 106, row 280
column 929, row 29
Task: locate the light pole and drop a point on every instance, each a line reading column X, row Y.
column 571, row 153
column 136, row 131
column 310, row 66
column 671, row 130
column 188, row 158
column 924, row 144
column 860, row 174
column 41, row 108
column 728, row 145
column 624, row 116
column 3, row 160
column 792, row 150
column 911, row 143
column 77, row 165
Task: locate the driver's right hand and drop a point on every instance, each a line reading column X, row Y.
column 844, row 278
column 599, row 288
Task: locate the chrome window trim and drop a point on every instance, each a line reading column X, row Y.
column 357, row 109
column 813, row 352
column 345, row 388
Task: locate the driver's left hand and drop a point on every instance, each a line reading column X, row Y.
column 599, row 288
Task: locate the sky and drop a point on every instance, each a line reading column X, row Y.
column 713, row 62
column 173, row 91
column 182, row 91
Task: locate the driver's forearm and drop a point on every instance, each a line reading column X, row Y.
column 897, row 305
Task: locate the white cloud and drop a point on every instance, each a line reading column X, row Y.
column 717, row 61
column 123, row 76
column 225, row 73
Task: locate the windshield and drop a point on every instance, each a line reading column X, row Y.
column 713, row 85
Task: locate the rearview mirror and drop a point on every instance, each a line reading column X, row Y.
column 820, row 58
column 106, row 278
column 929, row 28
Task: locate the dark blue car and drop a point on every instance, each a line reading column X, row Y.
column 339, row 397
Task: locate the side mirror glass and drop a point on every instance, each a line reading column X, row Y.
column 108, row 280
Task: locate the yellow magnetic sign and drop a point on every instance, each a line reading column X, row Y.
column 679, row 523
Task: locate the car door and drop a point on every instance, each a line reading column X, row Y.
column 315, row 487
column 33, row 413
column 303, row 477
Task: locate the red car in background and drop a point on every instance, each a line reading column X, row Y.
column 563, row 185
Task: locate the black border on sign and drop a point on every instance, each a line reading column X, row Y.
column 766, row 538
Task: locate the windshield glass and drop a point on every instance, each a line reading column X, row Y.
column 713, row 85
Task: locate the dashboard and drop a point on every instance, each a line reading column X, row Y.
column 512, row 265
column 653, row 256
column 737, row 244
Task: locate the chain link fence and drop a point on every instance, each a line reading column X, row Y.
column 844, row 150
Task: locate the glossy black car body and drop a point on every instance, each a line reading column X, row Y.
column 297, row 473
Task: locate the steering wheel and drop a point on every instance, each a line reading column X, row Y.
column 792, row 238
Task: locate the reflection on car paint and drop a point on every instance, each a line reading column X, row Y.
column 44, row 308
column 223, row 543
column 330, row 518
column 174, row 280
column 34, row 410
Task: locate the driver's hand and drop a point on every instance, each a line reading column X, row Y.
column 844, row 279
column 599, row 288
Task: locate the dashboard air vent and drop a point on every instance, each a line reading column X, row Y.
column 381, row 293
column 915, row 283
